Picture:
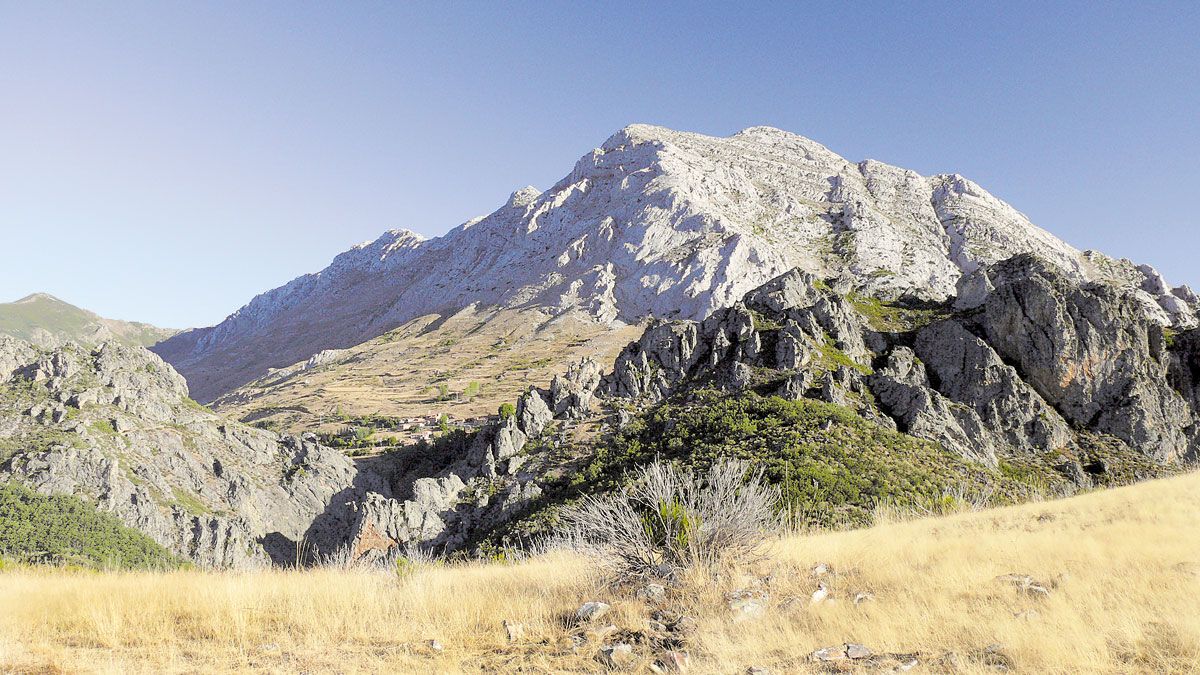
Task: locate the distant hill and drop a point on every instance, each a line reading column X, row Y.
column 47, row 321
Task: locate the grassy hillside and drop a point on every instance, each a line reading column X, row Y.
column 40, row 316
column 1122, row 567
column 464, row 365
column 62, row 529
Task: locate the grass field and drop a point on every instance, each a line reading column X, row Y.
column 1121, row 567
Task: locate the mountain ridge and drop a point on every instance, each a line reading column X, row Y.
column 655, row 222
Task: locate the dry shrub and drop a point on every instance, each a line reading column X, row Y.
column 669, row 519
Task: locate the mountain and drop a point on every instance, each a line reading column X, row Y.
column 1035, row 383
column 45, row 320
column 658, row 223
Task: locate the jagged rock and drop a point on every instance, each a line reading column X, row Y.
column 966, row 370
column 215, row 492
column 904, row 391
column 532, row 413
column 571, row 394
column 1090, row 351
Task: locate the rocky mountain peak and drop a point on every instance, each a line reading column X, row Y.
column 655, row 222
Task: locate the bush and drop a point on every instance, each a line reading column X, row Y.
column 63, row 529
column 669, row 519
column 507, row 410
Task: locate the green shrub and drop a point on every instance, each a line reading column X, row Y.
column 63, row 529
column 507, row 410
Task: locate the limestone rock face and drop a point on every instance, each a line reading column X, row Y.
column 904, row 390
column 968, row 370
column 654, row 223
column 1090, row 350
column 113, row 424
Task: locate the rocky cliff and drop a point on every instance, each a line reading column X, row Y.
column 656, row 223
column 1028, row 367
column 113, row 424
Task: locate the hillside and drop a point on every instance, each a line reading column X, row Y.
column 657, row 223
column 465, row 366
column 113, row 425
column 47, row 321
column 1124, row 575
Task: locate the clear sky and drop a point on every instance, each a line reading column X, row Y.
column 167, row 161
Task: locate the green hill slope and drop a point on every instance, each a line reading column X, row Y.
column 47, row 321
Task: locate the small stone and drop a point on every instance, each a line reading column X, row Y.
column 673, row 662
column 1027, row 615
column 821, row 569
column 860, row 598
column 857, row 651
column 435, row 646
column 829, row 654
column 600, row 634
column 514, row 630
column 616, row 656
column 590, row 611
column 907, row 663
column 758, row 670
column 652, row 592
column 1036, row 590
column 820, row 594
column 747, row 608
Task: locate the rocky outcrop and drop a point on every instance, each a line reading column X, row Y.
column 1038, row 357
column 1091, row 351
column 655, row 223
column 114, row 424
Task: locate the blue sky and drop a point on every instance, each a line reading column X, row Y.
column 167, row 161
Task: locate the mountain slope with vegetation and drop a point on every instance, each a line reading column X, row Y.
column 64, row 529
column 47, row 321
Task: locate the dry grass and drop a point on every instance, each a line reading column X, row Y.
column 505, row 352
column 1125, row 564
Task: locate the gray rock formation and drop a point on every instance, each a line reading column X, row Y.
column 1092, row 353
column 114, row 424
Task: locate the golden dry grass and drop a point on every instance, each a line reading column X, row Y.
column 1126, row 564
column 396, row 374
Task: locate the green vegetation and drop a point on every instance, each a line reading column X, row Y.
column 833, row 467
column 190, row 502
column 1169, row 336
column 62, row 529
column 507, row 410
column 25, row 318
column 472, row 390
column 892, row 317
column 103, row 427
column 831, row 358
